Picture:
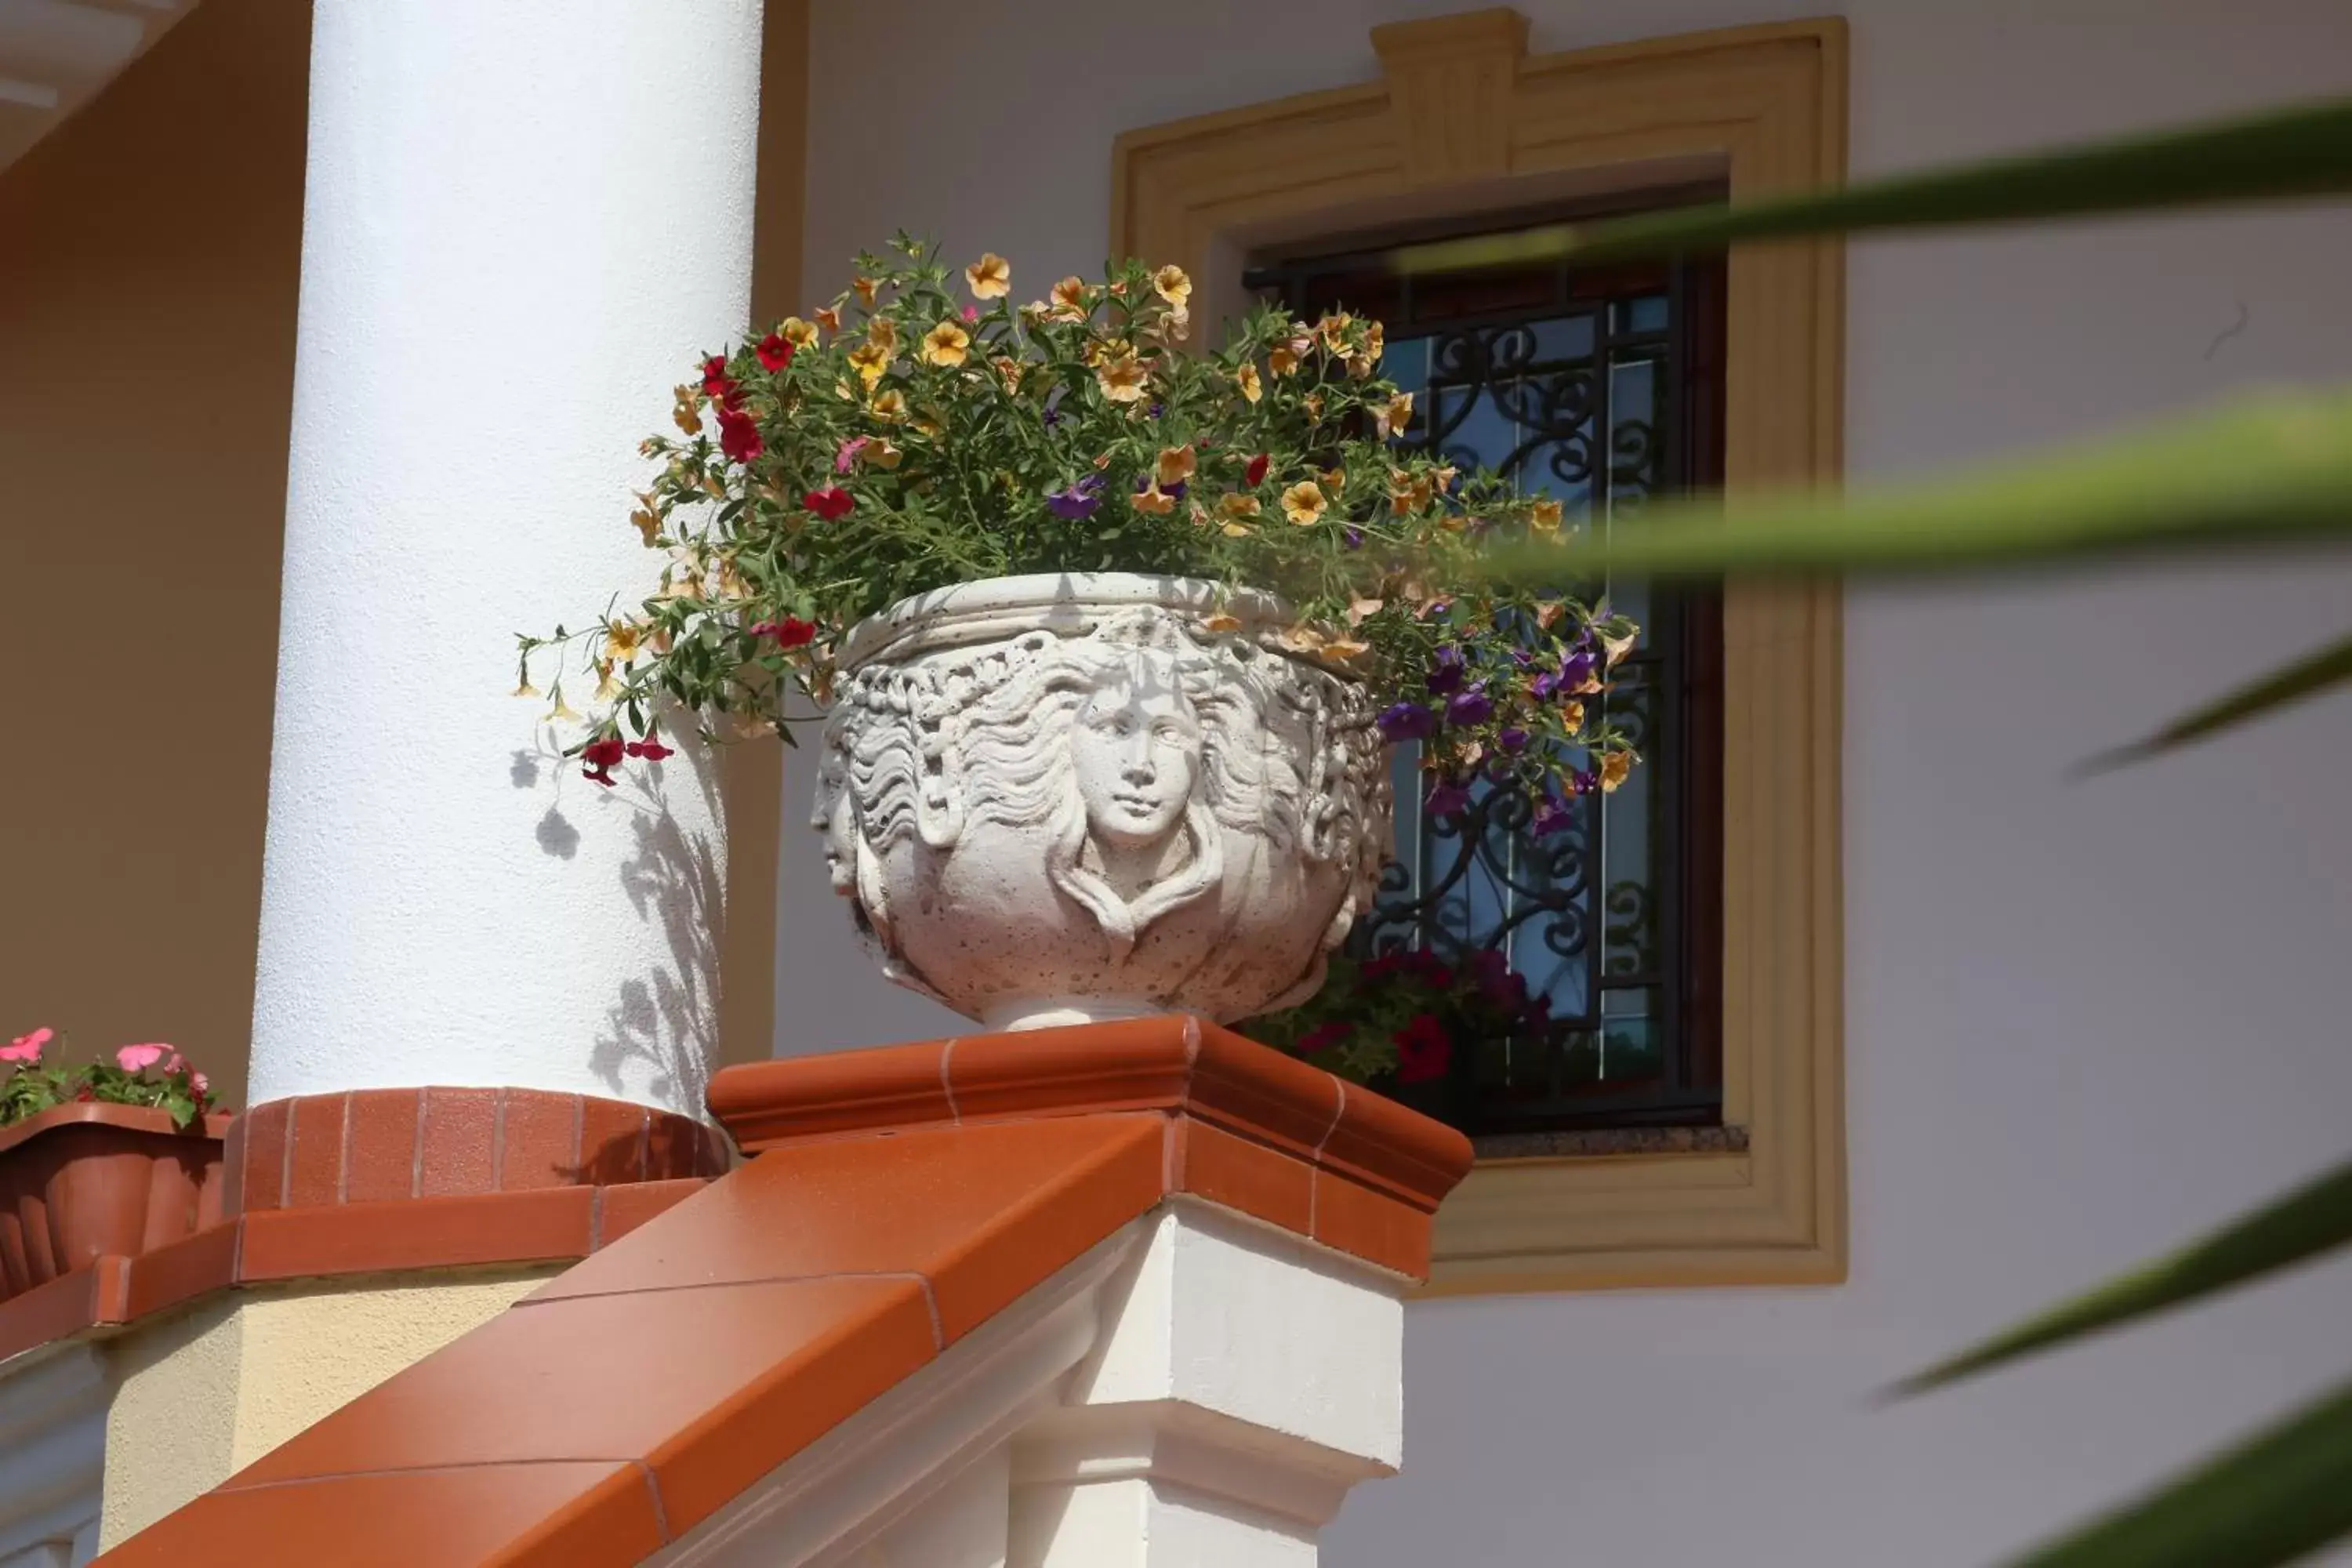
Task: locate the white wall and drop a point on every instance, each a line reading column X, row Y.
column 2083, row 1020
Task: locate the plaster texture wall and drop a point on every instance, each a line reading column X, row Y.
column 2083, row 1020
column 203, row 1393
column 148, row 249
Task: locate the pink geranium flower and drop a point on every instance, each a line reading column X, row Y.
column 25, row 1049
column 139, row 1058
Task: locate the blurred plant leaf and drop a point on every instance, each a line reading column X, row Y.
column 2305, row 150
column 2303, row 1224
column 2272, row 470
column 2306, row 677
column 2275, row 1499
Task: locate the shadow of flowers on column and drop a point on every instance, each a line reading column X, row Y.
column 663, row 1031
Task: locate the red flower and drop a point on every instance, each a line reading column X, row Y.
column 1422, row 1049
column 1255, row 474
column 738, row 436
column 714, row 377
column 650, row 748
column 1325, row 1035
column 790, row 632
column 775, row 352
column 84, row 1093
column 830, row 503
column 601, row 756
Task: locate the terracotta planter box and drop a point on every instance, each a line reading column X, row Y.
column 84, row 1181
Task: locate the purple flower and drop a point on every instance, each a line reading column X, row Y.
column 1554, row 815
column 1446, row 798
column 1544, row 686
column 1471, row 707
column 1512, row 739
column 1355, row 538
column 1577, row 670
column 1435, row 607
column 1445, row 674
column 1077, row 502
column 1585, row 781
column 1054, row 412
column 1407, row 721
column 1157, row 409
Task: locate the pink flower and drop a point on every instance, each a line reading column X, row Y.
column 846, row 458
column 139, row 1058
column 200, row 1083
column 25, row 1049
column 971, row 312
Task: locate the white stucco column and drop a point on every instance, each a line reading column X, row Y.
column 522, row 221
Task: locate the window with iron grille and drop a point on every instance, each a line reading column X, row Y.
column 1601, row 387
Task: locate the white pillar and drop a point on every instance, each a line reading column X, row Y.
column 1246, row 1379
column 524, row 221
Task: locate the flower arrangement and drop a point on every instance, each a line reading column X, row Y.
column 922, row 430
column 154, row 1075
column 1399, row 1018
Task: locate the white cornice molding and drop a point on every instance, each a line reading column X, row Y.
column 52, row 1452
column 56, row 54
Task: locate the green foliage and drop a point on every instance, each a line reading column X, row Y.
column 1399, row 1019
column 909, row 437
column 2304, row 151
column 2315, row 672
column 35, row 1085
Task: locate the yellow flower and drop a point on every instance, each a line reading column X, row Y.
column 990, row 277
column 1303, row 503
column 1010, row 371
column 561, row 712
column 688, row 415
column 1410, row 493
column 622, row 640
column 1335, row 479
column 1393, row 416
column 1122, row 377
column 1172, row 285
column 1300, row 640
column 883, row 455
column 1155, row 501
column 1618, row 647
column 1281, row 360
column 606, row 687
column 829, row 317
column 1236, row 507
column 946, row 344
column 1313, row 403
column 1248, row 379
column 526, row 688
column 1333, row 329
column 1070, row 296
column 1359, row 609
column 1572, row 717
column 1376, row 340
column 1346, row 648
column 730, row 583
column 647, row 517
column 1221, row 622
column 864, row 287
column 883, row 333
column 1444, row 476
column 889, row 405
column 1360, row 366
column 799, row 333
column 1548, row 613
column 1544, row 517
column 871, row 360
column 1175, row 465
column 1614, row 766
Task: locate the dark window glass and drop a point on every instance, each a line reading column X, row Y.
column 1601, row 387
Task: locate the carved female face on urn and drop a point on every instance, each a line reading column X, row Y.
column 1136, row 751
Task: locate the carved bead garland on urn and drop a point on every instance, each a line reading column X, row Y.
column 1060, row 799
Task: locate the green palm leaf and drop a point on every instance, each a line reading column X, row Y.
column 2306, row 677
column 2278, row 470
column 2276, row 1498
column 2303, row 1224
column 2301, row 151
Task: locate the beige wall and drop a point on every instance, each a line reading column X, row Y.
column 150, row 253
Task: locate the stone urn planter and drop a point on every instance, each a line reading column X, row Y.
column 87, row 1180
column 1063, row 798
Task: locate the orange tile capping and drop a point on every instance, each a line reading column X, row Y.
column 1250, row 1127
column 899, row 1198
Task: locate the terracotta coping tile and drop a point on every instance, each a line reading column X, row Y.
column 64, row 1306
column 903, row 1196
column 378, row 1145
column 1174, row 1063
column 582, row 1514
